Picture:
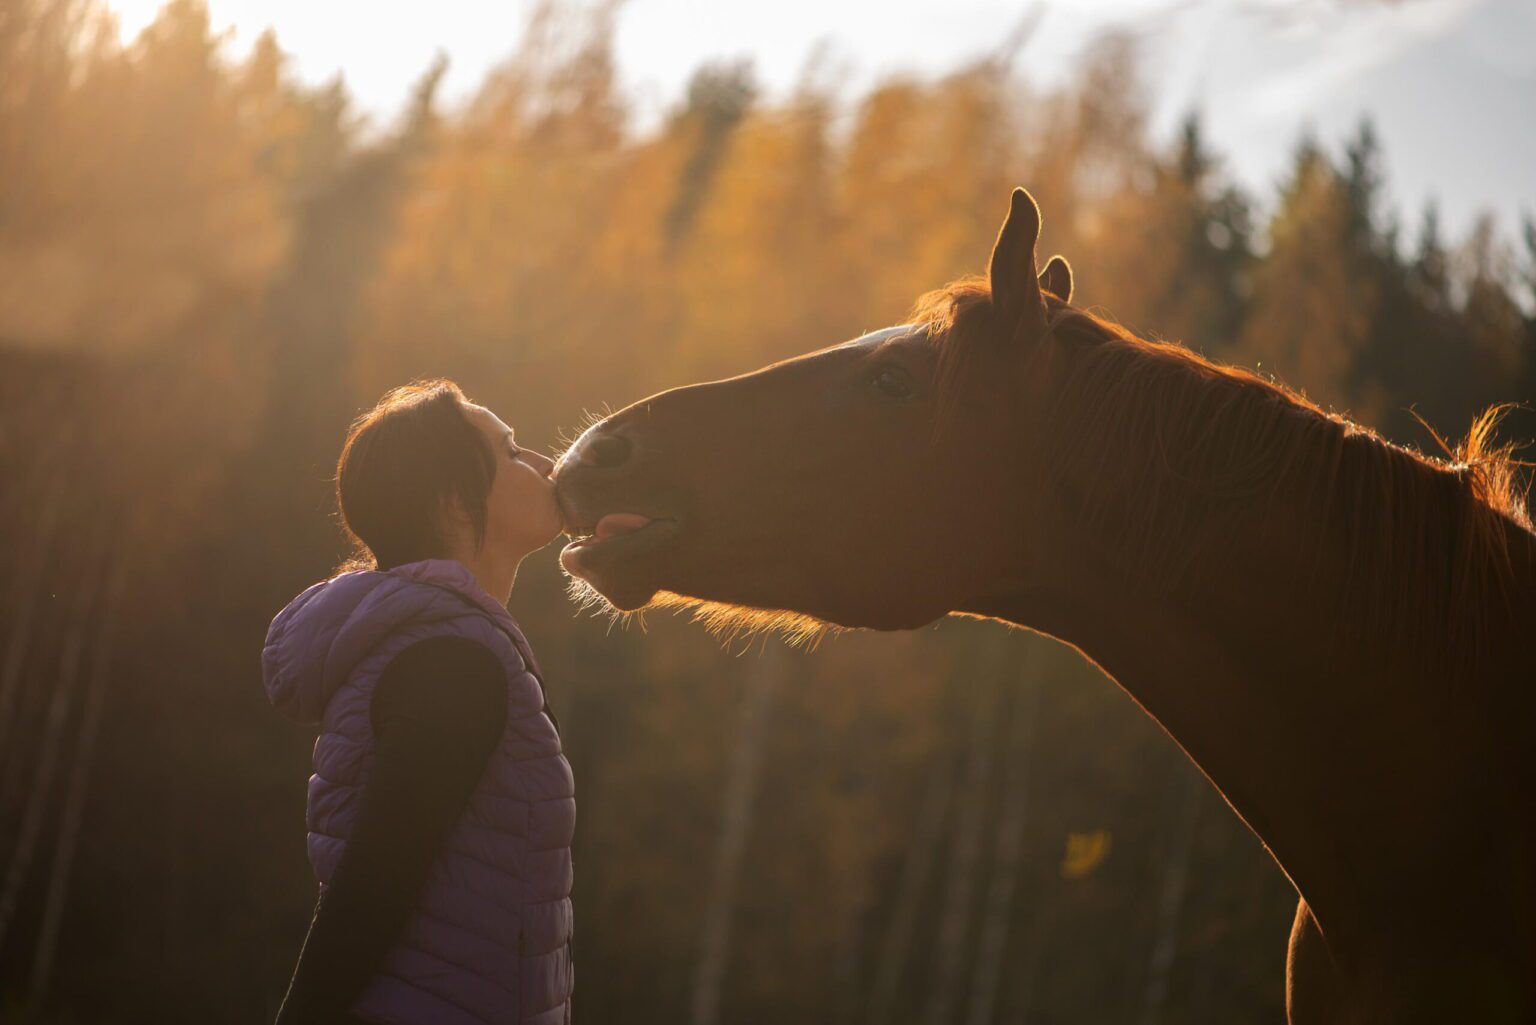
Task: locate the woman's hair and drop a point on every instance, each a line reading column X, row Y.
column 403, row 461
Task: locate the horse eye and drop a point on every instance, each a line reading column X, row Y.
column 893, row 383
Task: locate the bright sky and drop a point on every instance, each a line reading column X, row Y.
column 1451, row 83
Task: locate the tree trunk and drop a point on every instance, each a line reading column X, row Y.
column 927, row 834
column 26, row 585
column 959, row 893
column 1170, row 903
column 1009, row 842
column 845, row 1002
column 762, row 686
column 97, row 684
column 48, row 752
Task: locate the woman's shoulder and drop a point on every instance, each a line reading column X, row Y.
column 450, row 602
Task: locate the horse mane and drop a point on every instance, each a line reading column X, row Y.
column 1187, row 452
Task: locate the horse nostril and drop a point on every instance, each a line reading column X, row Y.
column 606, row 451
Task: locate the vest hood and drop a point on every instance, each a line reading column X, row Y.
column 323, row 633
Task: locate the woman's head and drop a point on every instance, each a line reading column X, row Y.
column 427, row 474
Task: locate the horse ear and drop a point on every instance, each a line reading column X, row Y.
column 1057, row 278
column 1016, row 298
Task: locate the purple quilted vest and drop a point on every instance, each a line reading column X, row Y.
column 490, row 941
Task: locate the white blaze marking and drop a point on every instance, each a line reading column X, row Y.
column 875, row 338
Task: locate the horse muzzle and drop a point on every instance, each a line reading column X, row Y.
column 617, row 513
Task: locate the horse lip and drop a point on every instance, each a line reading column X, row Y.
column 660, row 524
column 582, row 505
column 617, row 567
column 584, row 528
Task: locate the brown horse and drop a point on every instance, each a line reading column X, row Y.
column 1334, row 628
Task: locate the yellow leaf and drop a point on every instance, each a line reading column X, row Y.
column 1085, row 852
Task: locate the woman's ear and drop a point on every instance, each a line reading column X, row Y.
column 454, row 525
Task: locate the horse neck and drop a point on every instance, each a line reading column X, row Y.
column 1244, row 637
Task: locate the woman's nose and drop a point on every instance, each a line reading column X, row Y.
column 542, row 463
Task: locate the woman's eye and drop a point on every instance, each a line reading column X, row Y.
column 893, row 383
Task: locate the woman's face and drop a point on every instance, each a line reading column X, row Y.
column 521, row 514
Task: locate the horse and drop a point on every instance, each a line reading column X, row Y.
column 1334, row 628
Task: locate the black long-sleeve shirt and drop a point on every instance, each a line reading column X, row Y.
column 438, row 710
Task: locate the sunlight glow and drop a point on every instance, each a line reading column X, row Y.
column 1435, row 74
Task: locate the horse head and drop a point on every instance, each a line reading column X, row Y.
column 862, row 484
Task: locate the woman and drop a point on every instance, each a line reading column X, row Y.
column 441, row 808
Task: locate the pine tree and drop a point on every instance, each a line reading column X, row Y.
column 1313, row 308
column 1176, row 257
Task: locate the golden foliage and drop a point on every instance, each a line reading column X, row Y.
column 137, row 200
column 1085, row 852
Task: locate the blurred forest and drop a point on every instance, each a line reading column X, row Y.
column 207, row 268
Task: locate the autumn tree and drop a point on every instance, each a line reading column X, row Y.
column 1310, row 285
column 1176, row 255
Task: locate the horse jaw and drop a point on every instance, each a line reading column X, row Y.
column 616, row 601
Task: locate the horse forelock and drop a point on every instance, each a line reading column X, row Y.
column 958, row 319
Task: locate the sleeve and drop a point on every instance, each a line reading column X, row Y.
column 438, row 712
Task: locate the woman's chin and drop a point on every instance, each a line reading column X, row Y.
column 538, row 536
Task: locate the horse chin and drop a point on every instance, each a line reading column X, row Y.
column 592, row 587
